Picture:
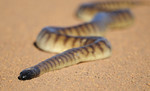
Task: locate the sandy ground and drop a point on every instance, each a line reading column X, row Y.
column 20, row 21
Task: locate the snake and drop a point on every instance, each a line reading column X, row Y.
column 83, row 42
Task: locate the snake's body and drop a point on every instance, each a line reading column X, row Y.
column 79, row 43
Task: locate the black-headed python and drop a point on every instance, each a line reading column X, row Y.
column 82, row 42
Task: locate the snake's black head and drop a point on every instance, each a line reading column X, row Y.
column 26, row 75
column 29, row 73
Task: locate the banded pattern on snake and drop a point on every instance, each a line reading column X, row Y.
column 82, row 42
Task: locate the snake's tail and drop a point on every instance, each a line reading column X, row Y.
column 99, row 49
column 87, row 11
column 121, row 19
column 115, row 19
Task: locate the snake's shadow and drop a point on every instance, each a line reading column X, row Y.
column 34, row 43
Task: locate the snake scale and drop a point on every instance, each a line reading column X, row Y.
column 84, row 42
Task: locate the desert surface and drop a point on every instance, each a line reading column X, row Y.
column 128, row 69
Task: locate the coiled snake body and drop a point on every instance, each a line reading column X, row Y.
column 82, row 42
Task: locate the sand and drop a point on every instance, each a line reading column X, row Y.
column 128, row 69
